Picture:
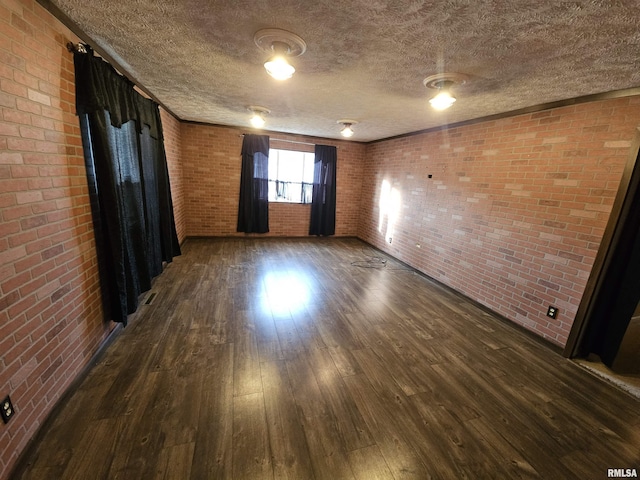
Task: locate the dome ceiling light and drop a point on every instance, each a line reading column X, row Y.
column 281, row 45
column 257, row 119
column 347, row 131
column 443, row 83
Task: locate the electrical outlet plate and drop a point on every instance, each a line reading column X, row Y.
column 552, row 311
column 6, row 409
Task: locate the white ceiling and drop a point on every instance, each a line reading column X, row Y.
column 365, row 59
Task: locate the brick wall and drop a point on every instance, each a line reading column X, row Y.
column 173, row 148
column 211, row 174
column 515, row 209
column 512, row 216
column 50, row 307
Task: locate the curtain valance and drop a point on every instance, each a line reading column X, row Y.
column 99, row 87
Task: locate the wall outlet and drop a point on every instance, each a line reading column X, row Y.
column 552, row 311
column 6, row 409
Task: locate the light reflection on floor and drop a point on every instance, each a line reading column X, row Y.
column 286, row 292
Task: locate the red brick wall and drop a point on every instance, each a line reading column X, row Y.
column 512, row 216
column 515, row 210
column 50, row 308
column 211, row 169
column 173, row 148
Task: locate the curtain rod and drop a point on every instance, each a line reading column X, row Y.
column 289, row 141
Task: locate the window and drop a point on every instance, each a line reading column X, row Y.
column 290, row 176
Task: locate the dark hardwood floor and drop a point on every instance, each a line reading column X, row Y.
column 309, row 359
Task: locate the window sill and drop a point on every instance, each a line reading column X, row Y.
column 287, row 202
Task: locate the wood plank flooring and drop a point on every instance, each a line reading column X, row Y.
column 310, row 359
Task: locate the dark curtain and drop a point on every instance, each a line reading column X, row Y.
column 253, row 208
column 128, row 183
column 323, row 201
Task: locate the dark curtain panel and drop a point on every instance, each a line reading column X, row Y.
column 128, row 183
column 253, row 208
column 323, row 201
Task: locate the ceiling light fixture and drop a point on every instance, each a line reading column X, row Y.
column 443, row 83
column 277, row 66
column 282, row 45
column 443, row 99
column 347, row 131
column 257, row 119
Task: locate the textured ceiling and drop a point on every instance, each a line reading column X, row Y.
column 365, row 59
